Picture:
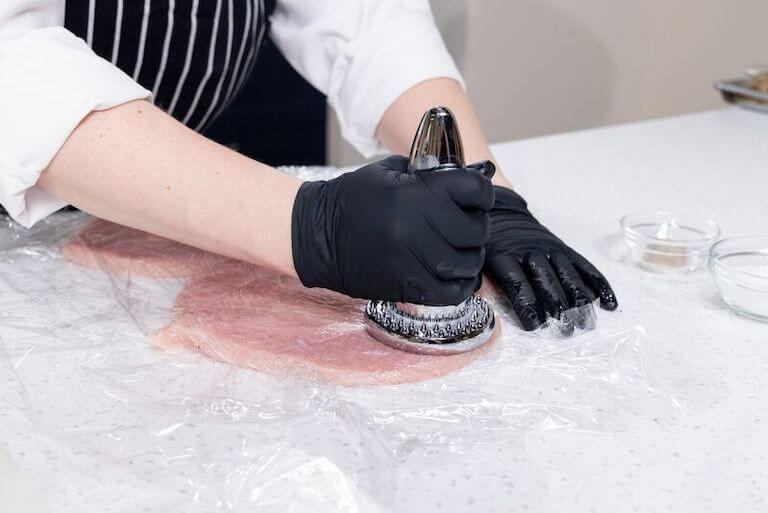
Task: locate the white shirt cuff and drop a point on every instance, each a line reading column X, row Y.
column 380, row 71
column 50, row 80
column 362, row 55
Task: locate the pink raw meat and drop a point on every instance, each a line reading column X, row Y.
column 255, row 318
column 125, row 251
column 252, row 317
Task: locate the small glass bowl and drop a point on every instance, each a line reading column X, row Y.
column 669, row 242
column 740, row 268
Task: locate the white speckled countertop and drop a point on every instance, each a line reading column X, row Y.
column 712, row 459
column 714, row 164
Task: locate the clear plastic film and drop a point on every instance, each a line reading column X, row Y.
column 140, row 375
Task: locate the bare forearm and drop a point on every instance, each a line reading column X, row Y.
column 401, row 119
column 137, row 166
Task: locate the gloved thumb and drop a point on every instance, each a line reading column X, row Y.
column 485, row 167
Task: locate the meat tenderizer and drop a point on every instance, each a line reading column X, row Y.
column 435, row 330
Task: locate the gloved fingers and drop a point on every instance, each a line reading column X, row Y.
column 395, row 163
column 509, row 275
column 460, row 229
column 485, row 167
column 578, row 294
column 547, row 287
column 432, row 291
column 468, row 189
column 446, row 262
column 596, row 282
column 447, row 277
column 463, row 264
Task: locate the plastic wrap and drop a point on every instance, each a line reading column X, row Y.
column 106, row 421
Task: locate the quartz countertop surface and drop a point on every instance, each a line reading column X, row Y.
column 712, row 458
column 713, row 164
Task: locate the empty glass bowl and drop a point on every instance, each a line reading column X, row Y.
column 666, row 242
column 740, row 268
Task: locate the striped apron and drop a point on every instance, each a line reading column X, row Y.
column 194, row 55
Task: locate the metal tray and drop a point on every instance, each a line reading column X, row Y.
column 738, row 92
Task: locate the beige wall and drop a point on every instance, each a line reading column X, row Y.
column 537, row 67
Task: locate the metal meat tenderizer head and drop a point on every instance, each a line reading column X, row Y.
column 438, row 330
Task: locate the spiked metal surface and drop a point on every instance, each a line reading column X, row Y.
column 424, row 329
column 431, row 329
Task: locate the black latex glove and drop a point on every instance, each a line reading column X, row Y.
column 382, row 233
column 540, row 275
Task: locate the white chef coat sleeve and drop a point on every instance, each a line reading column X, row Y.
column 49, row 81
column 362, row 54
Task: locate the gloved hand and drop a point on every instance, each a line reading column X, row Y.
column 382, row 233
column 540, row 275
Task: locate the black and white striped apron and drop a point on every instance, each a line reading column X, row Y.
column 194, row 55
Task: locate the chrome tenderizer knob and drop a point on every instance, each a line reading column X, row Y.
column 436, row 330
column 437, row 144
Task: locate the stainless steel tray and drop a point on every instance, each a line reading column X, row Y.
column 738, row 92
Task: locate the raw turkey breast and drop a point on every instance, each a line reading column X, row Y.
column 255, row 318
column 124, row 251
